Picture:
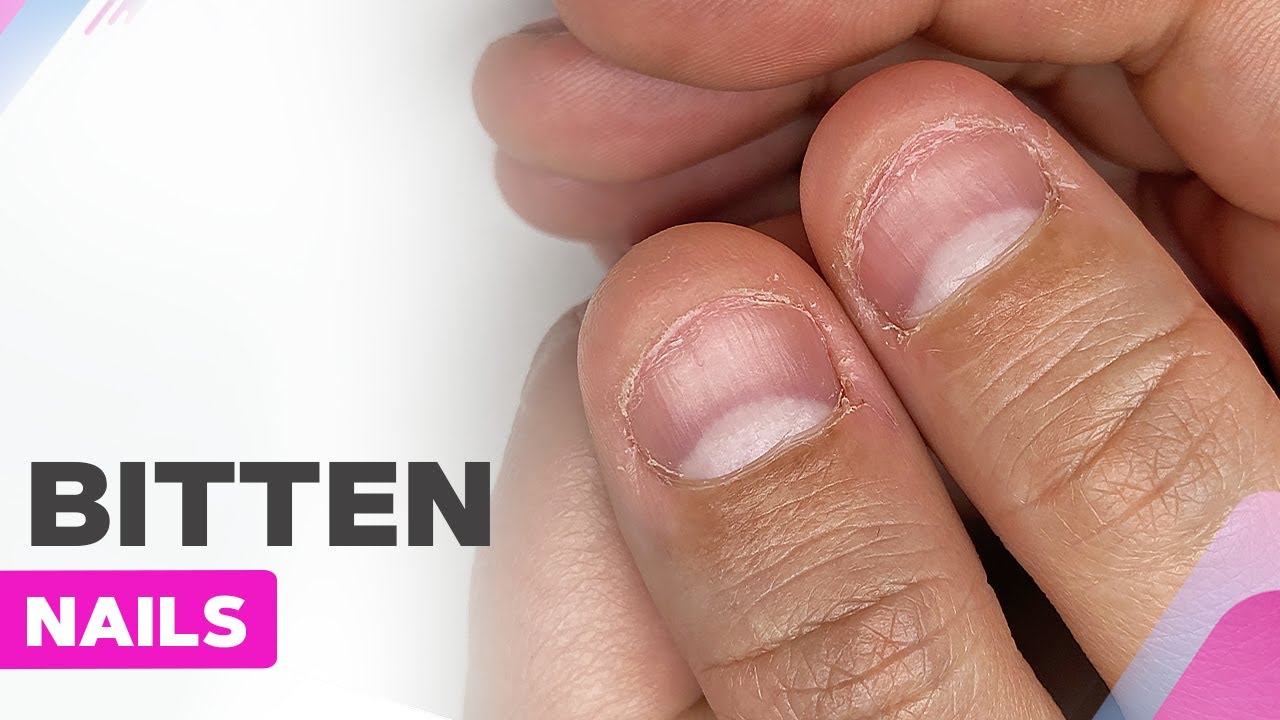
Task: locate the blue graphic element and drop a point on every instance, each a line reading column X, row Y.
column 29, row 38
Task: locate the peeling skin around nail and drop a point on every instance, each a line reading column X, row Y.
column 671, row 340
column 915, row 151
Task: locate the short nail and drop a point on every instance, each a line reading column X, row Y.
column 731, row 381
column 549, row 26
column 948, row 207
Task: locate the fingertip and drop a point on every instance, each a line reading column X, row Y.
column 671, row 268
column 654, row 284
column 560, row 342
column 539, row 198
column 693, row 326
column 523, row 85
column 1050, row 346
column 926, row 173
column 551, row 102
column 621, row 214
column 701, row 42
column 607, row 215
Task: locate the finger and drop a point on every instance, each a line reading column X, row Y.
column 789, row 230
column 1092, row 405
column 785, row 516
column 551, row 103
column 1240, row 251
column 562, row 627
column 620, row 214
column 1208, row 74
column 1096, row 102
column 744, row 186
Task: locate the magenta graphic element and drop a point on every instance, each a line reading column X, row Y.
column 122, row 9
column 1224, row 624
column 1236, row 674
column 9, row 9
column 137, row 619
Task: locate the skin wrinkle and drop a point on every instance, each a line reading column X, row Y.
column 926, row 694
column 822, row 585
column 1170, row 485
column 741, row 514
column 998, row 377
column 840, row 598
column 841, row 513
column 841, row 506
column 1076, row 478
column 753, row 558
column 925, row 634
column 1138, row 340
column 853, row 606
column 785, row 583
column 823, row 537
column 854, row 602
column 1041, row 298
column 845, row 531
column 1061, row 322
column 1167, row 486
column 1029, row 328
column 1095, row 375
column 769, row 515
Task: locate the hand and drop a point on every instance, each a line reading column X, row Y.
column 607, row 131
column 789, row 548
column 789, row 551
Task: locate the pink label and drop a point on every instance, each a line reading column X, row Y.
column 1216, row 645
column 138, row 619
column 1236, row 674
column 8, row 10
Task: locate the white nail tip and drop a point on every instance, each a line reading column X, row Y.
column 749, row 431
column 967, row 253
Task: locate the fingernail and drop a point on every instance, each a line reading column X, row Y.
column 549, row 26
column 949, row 207
column 733, row 380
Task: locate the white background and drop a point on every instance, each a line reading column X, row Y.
column 267, row 231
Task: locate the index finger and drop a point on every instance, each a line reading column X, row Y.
column 562, row 626
column 1208, row 74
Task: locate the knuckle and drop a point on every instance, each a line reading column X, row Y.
column 886, row 654
column 853, row 605
column 1131, row 432
column 840, row 598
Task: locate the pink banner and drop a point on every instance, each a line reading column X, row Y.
column 1236, row 673
column 8, row 9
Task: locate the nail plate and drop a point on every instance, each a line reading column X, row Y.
column 733, row 380
column 950, row 205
